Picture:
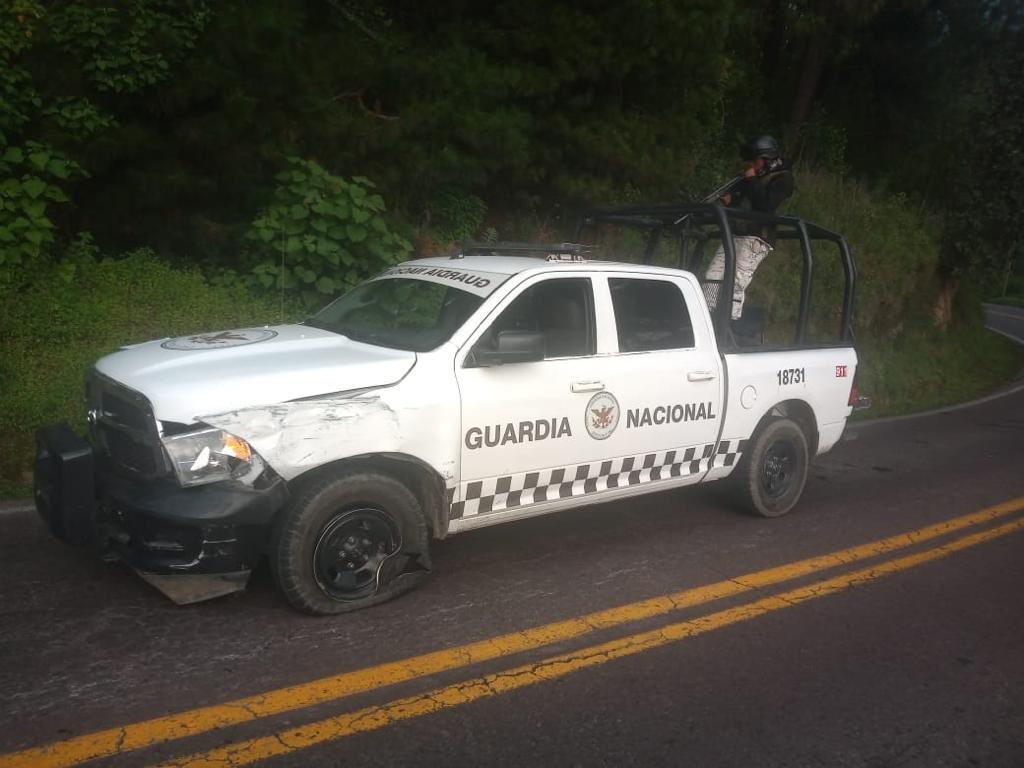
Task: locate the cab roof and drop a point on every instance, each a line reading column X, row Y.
column 513, row 265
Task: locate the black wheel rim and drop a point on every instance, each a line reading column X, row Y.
column 778, row 469
column 350, row 551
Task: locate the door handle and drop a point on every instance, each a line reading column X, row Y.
column 587, row 386
column 700, row 376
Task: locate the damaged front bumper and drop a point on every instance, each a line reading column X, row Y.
column 191, row 543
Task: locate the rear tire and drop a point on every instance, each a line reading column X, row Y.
column 772, row 476
column 348, row 542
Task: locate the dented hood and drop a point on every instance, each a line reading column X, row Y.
column 190, row 376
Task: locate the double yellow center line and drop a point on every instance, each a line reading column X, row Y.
column 197, row 721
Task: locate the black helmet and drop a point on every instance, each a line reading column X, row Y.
column 759, row 146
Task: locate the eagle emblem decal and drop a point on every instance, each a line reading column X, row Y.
column 238, row 338
column 602, row 416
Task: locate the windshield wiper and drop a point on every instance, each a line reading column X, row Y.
column 314, row 322
column 351, row 333
column 357, row 334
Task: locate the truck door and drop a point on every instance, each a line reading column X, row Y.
column 665, row 383
column 522, row 423
column 628, row 394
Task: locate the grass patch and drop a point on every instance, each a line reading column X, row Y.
column 73, row 314
column 927, row 368
column 1008, row 301
column 1014, row 293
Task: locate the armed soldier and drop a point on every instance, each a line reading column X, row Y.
column 767, row 181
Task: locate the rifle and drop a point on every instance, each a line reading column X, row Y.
column 713, row 197
column 723, row 190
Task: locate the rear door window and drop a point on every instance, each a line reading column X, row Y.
column 650, row 315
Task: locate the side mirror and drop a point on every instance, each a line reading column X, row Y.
column 511, row 347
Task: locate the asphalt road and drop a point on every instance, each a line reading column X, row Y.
column 904, row 653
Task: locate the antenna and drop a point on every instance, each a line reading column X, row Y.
column 280, row 276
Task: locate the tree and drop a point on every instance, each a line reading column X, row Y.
column 983, row 226
column 47, row 116
column 804, row 43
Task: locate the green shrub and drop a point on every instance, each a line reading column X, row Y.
column 456, row 214
column 1014, row 295
column 322, row 234
column 30, row 179
column 896, row 249
column 81, row 309
column 1015, row 286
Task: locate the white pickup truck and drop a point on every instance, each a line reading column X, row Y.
column 442, row 395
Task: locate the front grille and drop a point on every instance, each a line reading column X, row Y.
column 123, row 428
column 126, row 451
column 123, row 411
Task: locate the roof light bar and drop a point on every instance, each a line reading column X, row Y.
column 547, row 251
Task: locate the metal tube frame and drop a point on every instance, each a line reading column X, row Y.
column 689, row 219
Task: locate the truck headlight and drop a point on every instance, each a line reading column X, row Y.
column 210, row 455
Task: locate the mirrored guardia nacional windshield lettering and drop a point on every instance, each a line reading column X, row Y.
column 479, row 283
column 409, row 307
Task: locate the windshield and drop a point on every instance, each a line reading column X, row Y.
column 415, row 314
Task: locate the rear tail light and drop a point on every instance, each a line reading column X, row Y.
column 857, row 401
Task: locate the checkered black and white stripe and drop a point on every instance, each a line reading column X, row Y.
column 510, row 491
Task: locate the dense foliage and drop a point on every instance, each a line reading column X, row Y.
column 164, row 124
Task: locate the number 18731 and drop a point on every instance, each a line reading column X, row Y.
column 791, row 376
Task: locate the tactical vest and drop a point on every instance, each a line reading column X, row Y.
column 752, row 228
column 765, row 181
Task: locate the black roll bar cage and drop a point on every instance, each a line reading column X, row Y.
column 689, row 222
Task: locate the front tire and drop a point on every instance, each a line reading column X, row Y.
column 772, row 476
column 348, row 542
